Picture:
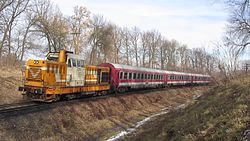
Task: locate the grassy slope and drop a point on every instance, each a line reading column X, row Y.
column 10, row 79
column 95, row 119
column 223, row 114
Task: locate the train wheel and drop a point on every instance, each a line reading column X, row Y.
column 57, row 97
column 122, row 90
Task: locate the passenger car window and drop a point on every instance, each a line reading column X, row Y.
column 105, row 77
column 130, row 75
column 125, row 75
column 134, row 76
column 121, row 75
column 138, row 76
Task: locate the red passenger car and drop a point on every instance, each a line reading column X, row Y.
column 124, row 77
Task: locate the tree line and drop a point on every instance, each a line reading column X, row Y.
column 38, row 26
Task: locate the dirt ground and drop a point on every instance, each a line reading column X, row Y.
column 10, row 79
column 93, row 120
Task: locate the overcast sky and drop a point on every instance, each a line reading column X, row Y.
column 193, row 22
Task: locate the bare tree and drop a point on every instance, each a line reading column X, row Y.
column 101, row 41
column 4, row 4
column 94, row 40
column 9, row 15
column 80, row 22
column 126, row 47
column 144, row 48
column 182, row 51
column 134, row 37
column 239, row 24
column 117, row 43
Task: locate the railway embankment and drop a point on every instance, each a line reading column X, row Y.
column 97, row 119
column 10, row 79
column 222, row 114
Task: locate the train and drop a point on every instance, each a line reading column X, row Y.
column 64, row 75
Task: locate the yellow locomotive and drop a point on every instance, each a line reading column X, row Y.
column 63, row 75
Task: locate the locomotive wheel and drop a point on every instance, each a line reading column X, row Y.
column 57, row 97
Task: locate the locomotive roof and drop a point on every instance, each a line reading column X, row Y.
column 120, row 66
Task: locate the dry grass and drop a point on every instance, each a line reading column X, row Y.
column 93, row 120
column 222, row 114
column 10, row 79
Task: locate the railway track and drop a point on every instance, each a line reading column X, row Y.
column 14, row 109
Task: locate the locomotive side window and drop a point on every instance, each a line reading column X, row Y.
column 148, row 76
column 69, row 63
column 141, row 75
column 151, row 76
column 74, row 62
column 78, row 63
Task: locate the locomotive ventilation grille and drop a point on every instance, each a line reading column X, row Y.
column 34, row 73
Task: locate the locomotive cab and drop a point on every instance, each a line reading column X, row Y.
column 75, row 70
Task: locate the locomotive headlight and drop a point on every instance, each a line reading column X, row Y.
column 36, row 61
